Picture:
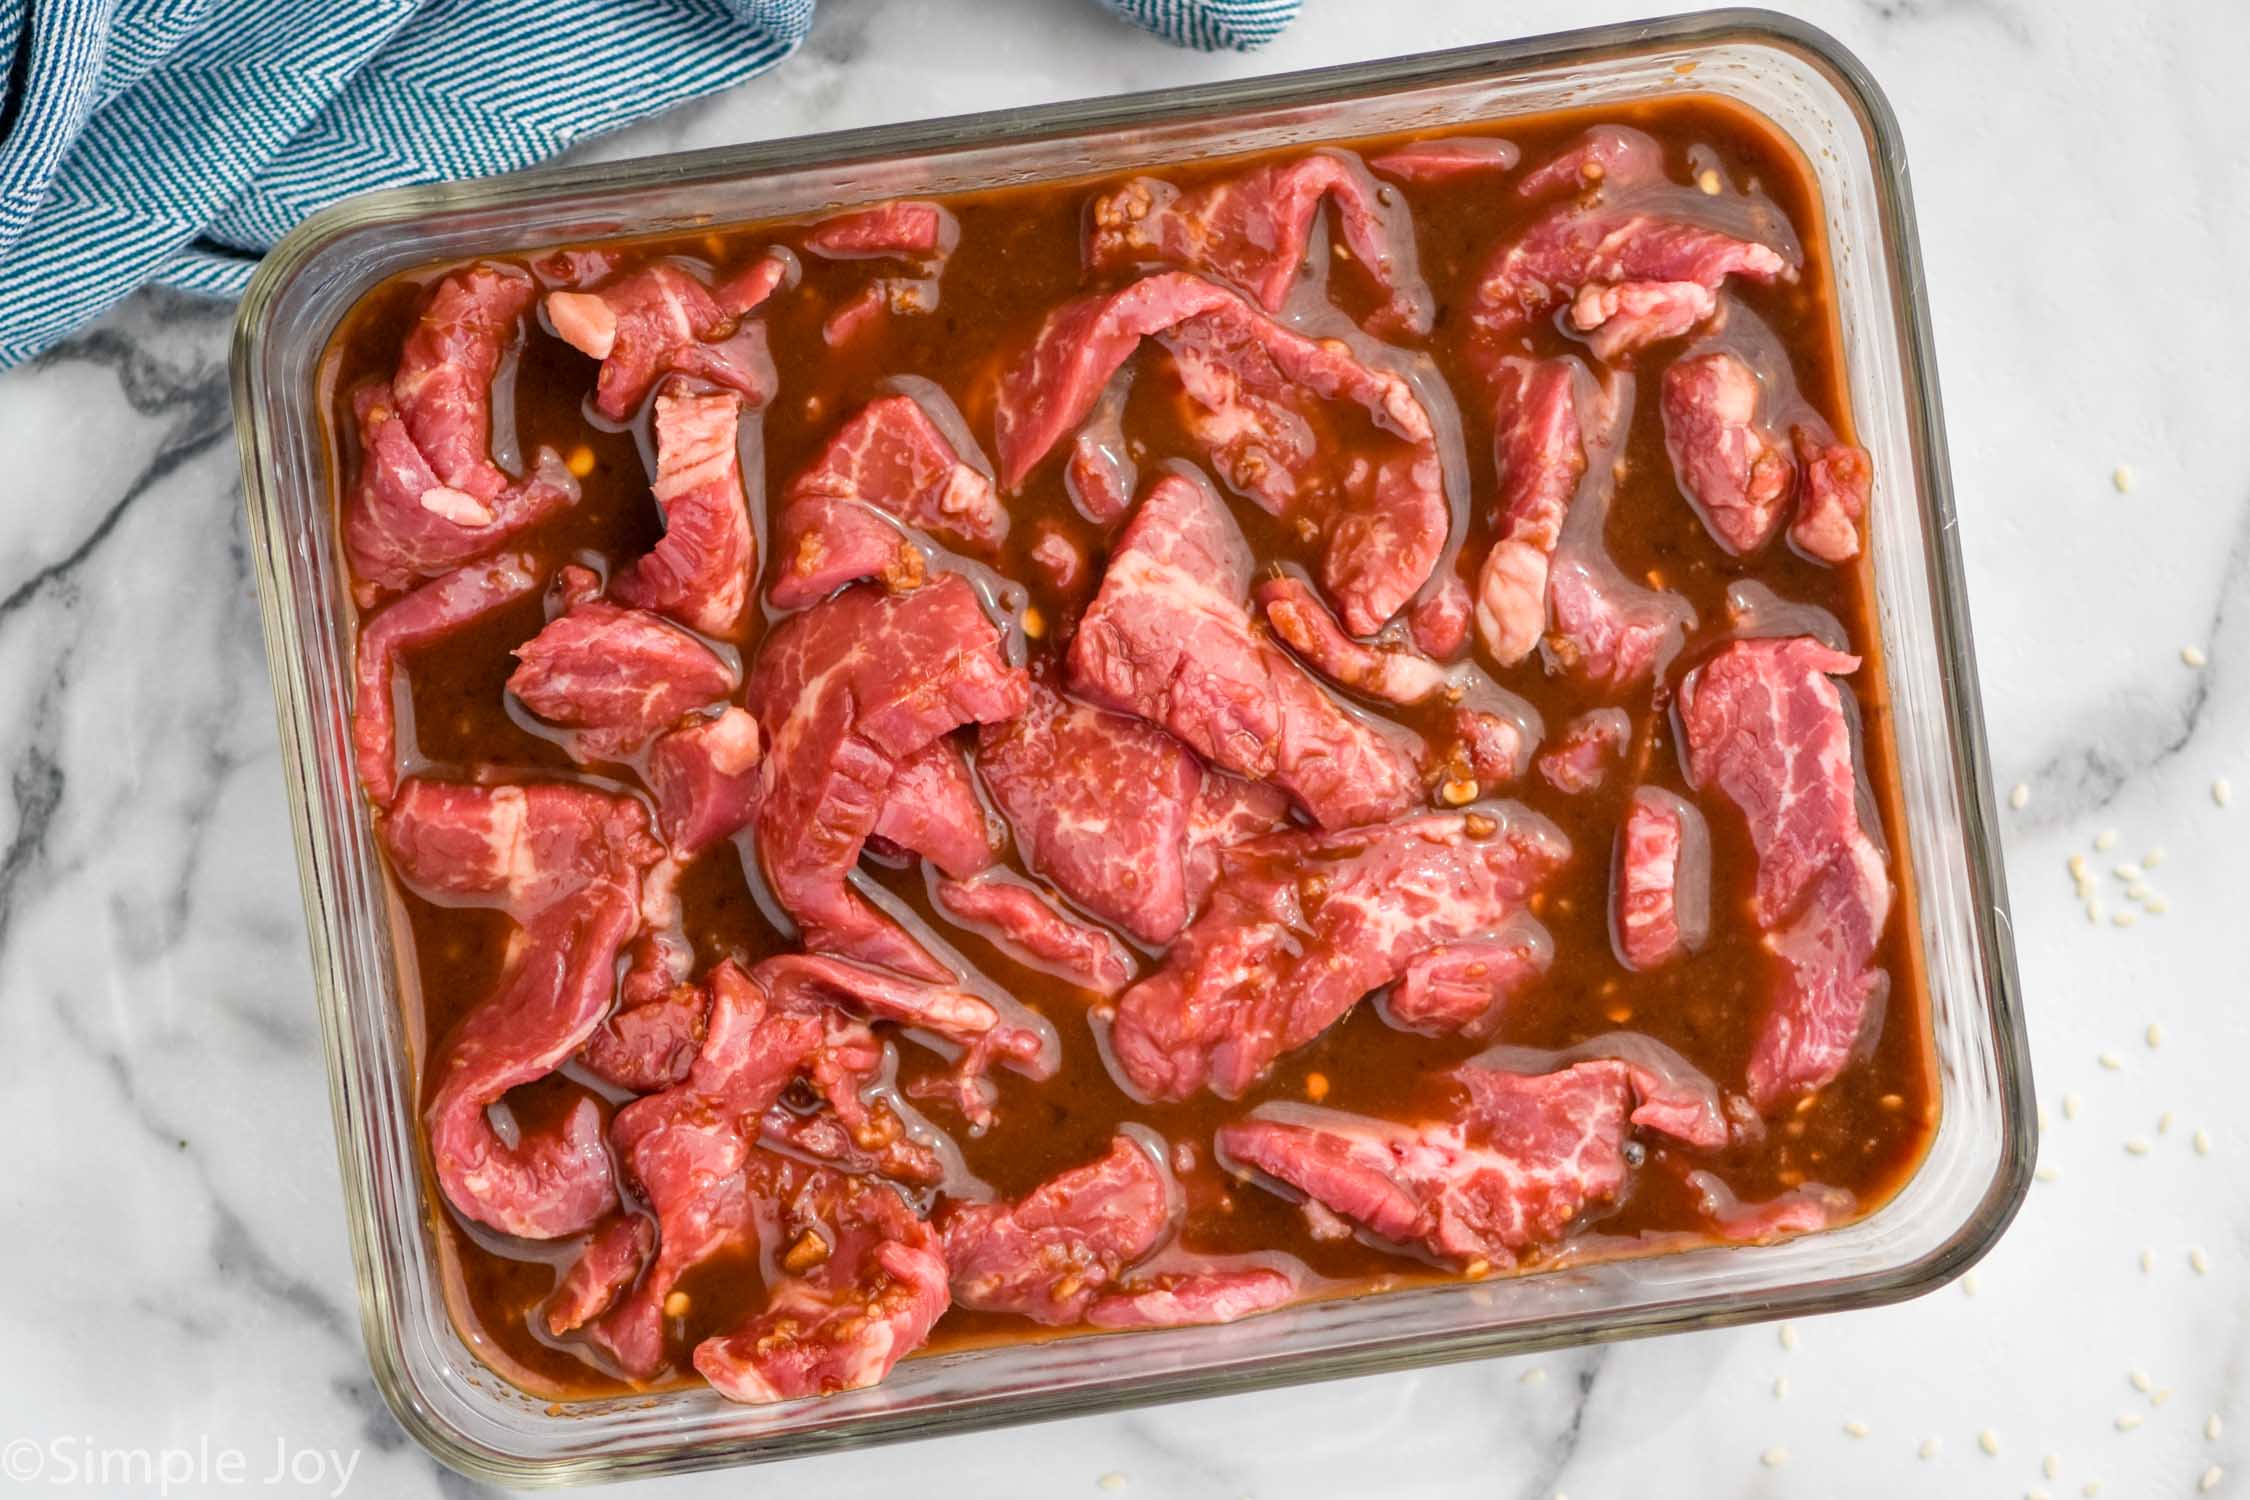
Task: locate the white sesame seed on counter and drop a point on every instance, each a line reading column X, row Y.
column 1989, row 1441
column 2019, row 796
column 2210, row 1479
column 2122, row 478
column 2105, row 841
column 1928, row 1450
column 2071, row 1104
column 1774, row 1458
column 2051, row 1466
column 2199, row 1262
column 2193, row 656
column 1861, row 1429
column 2128, row 1421
column 1788, row 1335
column 2202, row 1142
column 2212, row 1427
column 2222, row 791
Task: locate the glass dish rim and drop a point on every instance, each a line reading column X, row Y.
column 1965, row 732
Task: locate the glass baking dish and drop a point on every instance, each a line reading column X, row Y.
column 1956, row 1203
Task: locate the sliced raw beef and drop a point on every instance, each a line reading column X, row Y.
column 1464, row 987
column 1168, row 637
column 1255, row 390
column 1227, row 811
column 651, row 1045
column 1588, row 746
column 931, row 810
column 613, row 677
column 1613, row 156
column 1299, row 617
column 1801, row 1210
column 1302, row 924
column 1438, row 622
column 1023, row 921
column 1516, row 1163
column 1253, row 230
column 1540, row 451
column 905, row 228
column 704, row 775
column 1734, row 469
column 662, row 320
column 429, row 496
column 565, row 862
column 1444, row 161
column 604, row 1268
column 1100, row 474
column 845, row 693
column 1662, row 909
column 1838, row 477
column 1492, row 749
column 1051, row 1253
column 890, row 463
column 871, row 1286
column 1629, row 276
column 1182, row 1299
column 700, row 572
column 430, row 613
column 1764, row 722
column 1609, row 630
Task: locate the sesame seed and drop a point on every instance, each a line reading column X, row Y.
column 2051, row 1465
column 2090, row 1488
column 1708, row 180
column 2127, row 872
column 1860, row 1429
column 2164, row 1123
column 2160, row 1395
column 2020, row 796
column 2126, row 918
column 2156, row 906
column 2137, row 892
column 2105, row 841
column 2093, row 910
column 1969, row 1284
column 2122, row 477
column 1532, row 1376
column 2071, row 1103
column 1774, row 1458
column 2045, row 1124
column 2153, row 858
column 2128, row 1420
column 2194, row 657
column 2139, row 1381
column 2200, row 1261
column 2211, row 1478
column 1788, row 1335
column 1111, row 1481
column 2222, row 791
column 1989, row 1441
column 2078, row 869
column 2155, row 1035
column 2137, row 1146
column 2035, row 1494
column 2202, row 1140
column 1780, row 1387
column 2148, row 1261
column 1928, row 1448
column 2212, row 1427
column 2111, row 1061
column 2048, row 1174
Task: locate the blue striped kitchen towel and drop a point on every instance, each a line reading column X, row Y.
column 176, row 140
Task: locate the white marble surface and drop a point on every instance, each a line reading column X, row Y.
column 174, row 1258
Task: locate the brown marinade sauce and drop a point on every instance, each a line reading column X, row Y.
column 1018, row 257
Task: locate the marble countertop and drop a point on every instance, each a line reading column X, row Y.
column 176, row 1258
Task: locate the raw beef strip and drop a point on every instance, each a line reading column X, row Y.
column 1837, row 479
column 613, row 677
column 566, row 863
column 1438, row 622
column 1253, row 389
column 1605, row 156
column 1662, row 909
column 1253, row 230
column 1302, row 924
column 1168, row 637
column 1672, row 1096
column 1608, row 629
column 1227, row 811
column 1099, row 805
column 846, row 692
column 932, row 810
column 1493, row 748
column 661, row 320
column 700, row 572
column 1540, row 451
column 429, row 496
column 1520, row 1159
column 604, row 1268
column 1019, row 918
column 430, row 613
column 1049, row 1254
column 906, row 228
column 1801, row 1210
column 1443, row 161
column 651, row 1045
column 873, row 1283
column 1582, row 754
column 1180, row 1299
column 1764, row 722
column 1100, row 474
column 1628, row 275
column 1737, row 473
column 704, row 775
column 1303, row 621
column 888, row 461
column 1464, row 986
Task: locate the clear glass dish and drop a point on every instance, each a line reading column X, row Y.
column 1957, row 1202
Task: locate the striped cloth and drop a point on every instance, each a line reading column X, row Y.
column 175, row 140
